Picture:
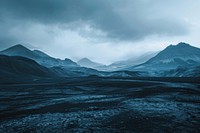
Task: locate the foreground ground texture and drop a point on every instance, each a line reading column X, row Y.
column 95, row 104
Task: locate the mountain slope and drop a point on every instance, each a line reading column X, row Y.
column 133, row 61
column 172, row 61
column 181, row 51
column 38, row 56
column 85, row 62
column 172, row 57
column 193, row 71
column 16, row 66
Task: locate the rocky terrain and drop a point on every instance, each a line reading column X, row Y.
column 94, row 104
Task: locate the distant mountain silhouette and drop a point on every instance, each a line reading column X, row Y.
column 38, row 56
column 16, row 66
column 132, row 62
column 85, row 62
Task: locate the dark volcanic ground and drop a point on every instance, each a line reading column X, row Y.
column 96, row 104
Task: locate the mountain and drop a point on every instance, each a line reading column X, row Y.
column 40, row 53
column 181, row 60
column 133, row 61
column 20, row 67
column 171, row 58
column 16, row 66
column 176, row 54
column 38, row 56
column 62, row 68
column 85, row 62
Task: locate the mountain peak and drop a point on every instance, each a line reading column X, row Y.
column 181, row 51
column 84, row 59
column 179, row 45
column 17, row 47
column 19, row 50
column 182, row 44
column 85, row 62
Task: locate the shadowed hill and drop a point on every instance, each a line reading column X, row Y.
column 15, row 66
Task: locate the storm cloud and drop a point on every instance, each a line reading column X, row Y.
column 124, row 20
column 97, row 20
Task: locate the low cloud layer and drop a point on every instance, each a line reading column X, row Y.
column 43, row 22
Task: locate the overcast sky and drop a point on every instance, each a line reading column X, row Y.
column 102, row 30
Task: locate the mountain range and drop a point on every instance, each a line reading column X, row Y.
column 181, row 60
column 38, row 56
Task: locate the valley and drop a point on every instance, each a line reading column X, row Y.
column 100, row 104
